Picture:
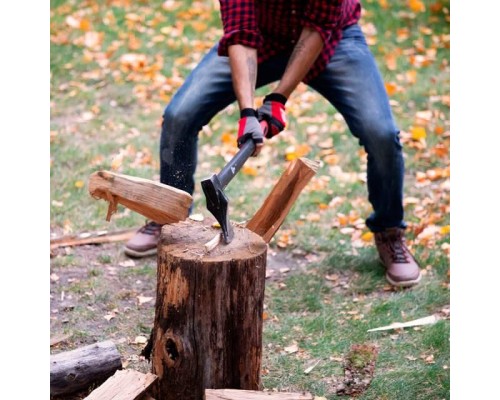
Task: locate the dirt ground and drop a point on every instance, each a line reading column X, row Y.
column 97, row 293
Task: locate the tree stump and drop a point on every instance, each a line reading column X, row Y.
column 208, row 321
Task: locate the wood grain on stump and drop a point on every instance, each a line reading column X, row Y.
column 208, row 321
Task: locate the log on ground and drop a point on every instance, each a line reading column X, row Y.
column 76, row 370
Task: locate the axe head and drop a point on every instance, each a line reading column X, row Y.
column 217, row 204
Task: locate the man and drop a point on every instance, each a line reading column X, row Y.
column 319, row 43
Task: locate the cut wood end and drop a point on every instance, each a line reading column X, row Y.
column 313, row 164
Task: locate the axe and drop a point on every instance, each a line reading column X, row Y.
column 213, row 187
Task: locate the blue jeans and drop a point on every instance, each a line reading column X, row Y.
column 351, row 82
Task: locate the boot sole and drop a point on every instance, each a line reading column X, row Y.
column 409, row 283
column 403, row 283
column 139, row 254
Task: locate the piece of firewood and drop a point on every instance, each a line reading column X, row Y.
column 156, row 201
column 124, row 385
column 278, row 203
column 92, row 238
column 75, row 370
column 234, row 394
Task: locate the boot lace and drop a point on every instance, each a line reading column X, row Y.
column 151, row 228
column 397, row 248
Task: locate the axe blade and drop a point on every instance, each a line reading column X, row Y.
column 218, row 204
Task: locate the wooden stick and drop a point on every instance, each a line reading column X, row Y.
column 278, row 203
column 212, row 243
column 235, row 394
column 161, row 203
column 92, row 238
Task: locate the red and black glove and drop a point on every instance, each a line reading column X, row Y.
column 249, row 127
column 273, row 112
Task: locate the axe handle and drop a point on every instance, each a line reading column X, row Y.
column 232, row 167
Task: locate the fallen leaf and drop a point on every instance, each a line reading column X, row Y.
column 109, row 317
column 144, row 299
column 367, row 237
column 291, row 349
column 140, row 340
column 418, row 132
column 197, row 217
column 79, row 184
column 127, row 263
column 416, row 5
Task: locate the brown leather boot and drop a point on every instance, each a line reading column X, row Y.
column 401, row 267
column 144, row 242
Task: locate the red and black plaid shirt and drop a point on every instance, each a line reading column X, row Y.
column 274, row 26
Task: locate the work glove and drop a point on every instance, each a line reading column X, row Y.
column 249, row 128
column 273, row 112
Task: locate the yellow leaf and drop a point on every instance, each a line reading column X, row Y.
column 418, row 132
column 323, row 206
column 411, row 76
column 199, row 26
column 79, row 184
column 331, row 159
column 85, row 25
column 416, row 5
column 227, row 138
column 342, row 218
column 294, row 152
column 383, row 4
column 367, row 237
column 391, row 88
column 248, row 170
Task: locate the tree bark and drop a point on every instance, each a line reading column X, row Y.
column 208, row 323
column 76, row 370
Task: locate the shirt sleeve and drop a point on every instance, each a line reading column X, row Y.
column 239, row 21
column 324, row 17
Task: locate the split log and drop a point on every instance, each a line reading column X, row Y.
column 92, row 238
column 76, row 370
column 124, row 385
column 278, row 203
column 158, row 202
column 208, row 320
column 231, row 394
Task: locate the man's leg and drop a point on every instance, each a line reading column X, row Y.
column 352, row 83
column 207, row 90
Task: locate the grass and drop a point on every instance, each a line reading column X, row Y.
column 106, row 114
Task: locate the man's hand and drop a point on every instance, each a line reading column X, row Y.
column 273, row 112
column 250, row 128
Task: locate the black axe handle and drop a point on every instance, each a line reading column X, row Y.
column 232, row 167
